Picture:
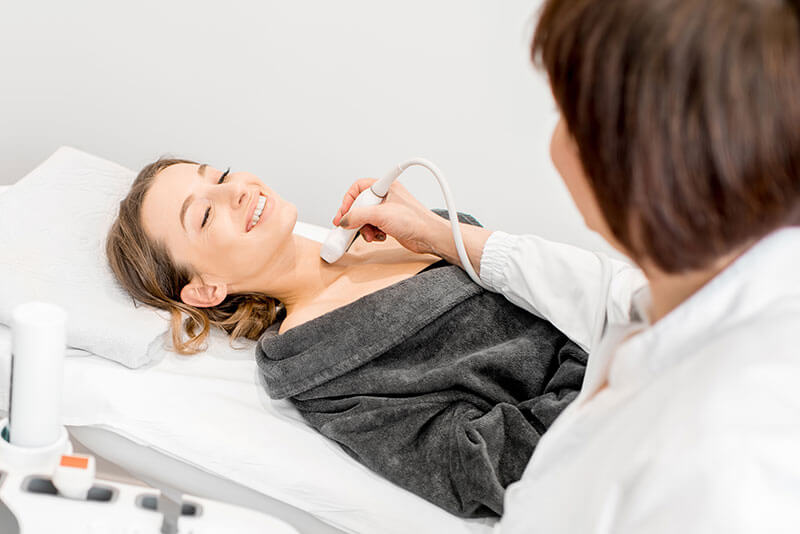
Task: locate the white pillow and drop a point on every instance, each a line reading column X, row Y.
column 53, row 225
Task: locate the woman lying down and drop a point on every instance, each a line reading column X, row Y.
column 418, row 373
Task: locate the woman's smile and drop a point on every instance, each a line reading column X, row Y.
column 266, row 209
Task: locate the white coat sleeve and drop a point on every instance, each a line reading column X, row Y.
column 579, row 291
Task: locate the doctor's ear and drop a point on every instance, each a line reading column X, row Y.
column 203, row 294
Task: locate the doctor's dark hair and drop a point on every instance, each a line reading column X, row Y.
column 686, row 115
column 148, row 273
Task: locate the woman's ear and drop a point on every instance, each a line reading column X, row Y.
column 202, row 294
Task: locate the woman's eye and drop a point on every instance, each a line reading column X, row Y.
column 208, row 210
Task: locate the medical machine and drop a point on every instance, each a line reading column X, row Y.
column 45, row 488
column 340, row 239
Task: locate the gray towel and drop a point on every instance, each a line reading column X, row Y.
column 440, row 386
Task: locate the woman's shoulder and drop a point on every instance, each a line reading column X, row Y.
column 296, row 319
column 377, row 272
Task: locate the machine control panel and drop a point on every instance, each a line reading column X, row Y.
column 31, row 504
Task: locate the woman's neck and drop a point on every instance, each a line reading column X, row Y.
column 300, row 275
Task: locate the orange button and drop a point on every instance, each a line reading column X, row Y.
column 74, row 461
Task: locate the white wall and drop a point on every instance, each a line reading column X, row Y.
column 307, row 94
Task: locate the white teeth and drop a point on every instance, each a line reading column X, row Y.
column 262, row 200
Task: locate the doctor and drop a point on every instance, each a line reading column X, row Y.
column 680, row 144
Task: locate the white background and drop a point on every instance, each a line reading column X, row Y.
column 307, row 94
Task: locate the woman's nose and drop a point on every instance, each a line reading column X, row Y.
column 234, row 193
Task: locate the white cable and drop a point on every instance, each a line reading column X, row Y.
column 451, row 212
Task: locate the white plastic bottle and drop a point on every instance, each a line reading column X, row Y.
column 38, row 346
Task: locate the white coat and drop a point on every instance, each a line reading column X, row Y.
column 698, row 430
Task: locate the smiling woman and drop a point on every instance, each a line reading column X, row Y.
column 153, row 275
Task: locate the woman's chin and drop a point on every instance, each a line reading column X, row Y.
column 293, row 212
column 284, row 218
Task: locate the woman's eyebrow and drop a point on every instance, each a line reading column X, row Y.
column 200, row 171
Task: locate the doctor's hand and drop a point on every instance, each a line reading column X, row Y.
column 417, row 228
column 400, row 215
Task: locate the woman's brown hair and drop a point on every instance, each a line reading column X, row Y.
column 146, row 271
column 686, row 115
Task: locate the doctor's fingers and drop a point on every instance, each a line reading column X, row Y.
column 349, row 197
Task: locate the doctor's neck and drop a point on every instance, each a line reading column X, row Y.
column 669, row 290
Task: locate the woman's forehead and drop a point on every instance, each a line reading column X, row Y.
column 163, row 200
column 181, row 171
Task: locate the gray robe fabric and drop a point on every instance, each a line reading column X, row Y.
column 440, row 386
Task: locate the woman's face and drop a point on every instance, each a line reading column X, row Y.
column 564, row 153
column 204, row 219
